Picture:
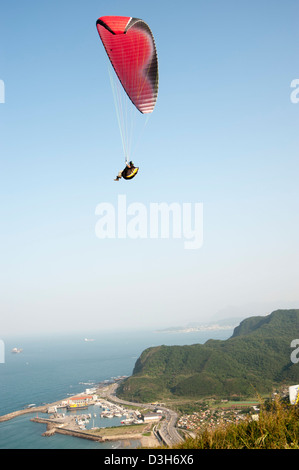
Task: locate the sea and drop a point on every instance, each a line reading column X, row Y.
column 53, row 367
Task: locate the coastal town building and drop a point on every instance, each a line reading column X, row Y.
column 148, row 417
column 211, row 418
column 80, row 400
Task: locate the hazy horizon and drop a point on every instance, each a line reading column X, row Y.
column 224, row 134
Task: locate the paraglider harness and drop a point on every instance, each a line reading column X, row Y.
column 128, row 172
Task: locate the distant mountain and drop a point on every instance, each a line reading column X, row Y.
column 255, row 358
column 224, row 324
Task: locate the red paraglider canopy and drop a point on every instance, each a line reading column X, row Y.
column 131, row 49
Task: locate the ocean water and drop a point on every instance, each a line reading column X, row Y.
column 50, row 368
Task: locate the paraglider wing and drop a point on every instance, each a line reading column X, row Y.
column 131, row 49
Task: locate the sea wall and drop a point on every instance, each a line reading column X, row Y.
column 15, row 414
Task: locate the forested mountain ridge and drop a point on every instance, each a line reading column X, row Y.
column 255, row 359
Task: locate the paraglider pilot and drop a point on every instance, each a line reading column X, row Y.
column 128, row 173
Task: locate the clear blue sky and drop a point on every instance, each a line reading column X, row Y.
column 224, row 132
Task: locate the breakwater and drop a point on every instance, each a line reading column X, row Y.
column 53, row 428
column 15, row 414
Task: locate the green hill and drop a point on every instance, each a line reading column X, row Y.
column 256, row 357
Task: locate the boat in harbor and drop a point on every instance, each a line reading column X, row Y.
column 76, row 406
column 106, row 414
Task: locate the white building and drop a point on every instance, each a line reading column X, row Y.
column 148, row 417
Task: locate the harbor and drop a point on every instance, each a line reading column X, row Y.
column 91, row 416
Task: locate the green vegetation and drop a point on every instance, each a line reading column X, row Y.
column 277, row 427
column 255, row 359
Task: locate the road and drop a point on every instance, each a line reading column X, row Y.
column 167, row 429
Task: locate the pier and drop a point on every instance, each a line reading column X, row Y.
column 69, row 428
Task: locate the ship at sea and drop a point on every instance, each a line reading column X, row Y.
column 16, row 350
